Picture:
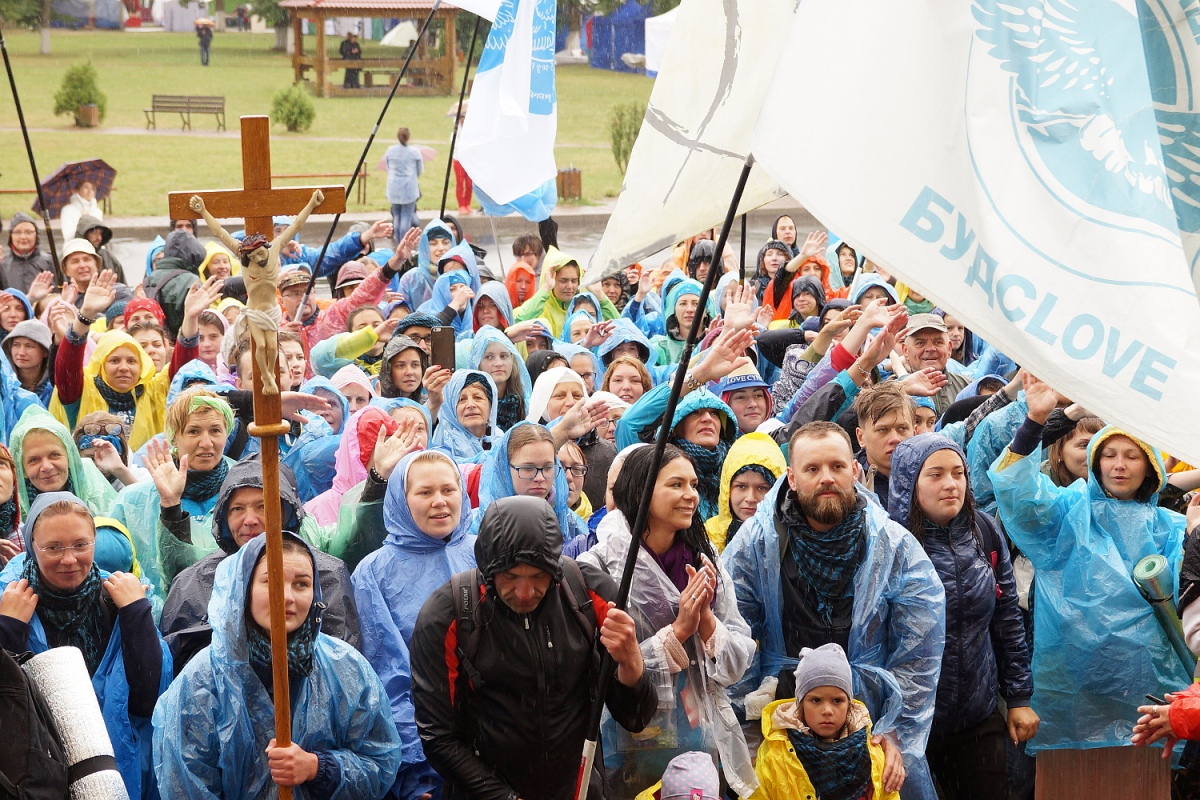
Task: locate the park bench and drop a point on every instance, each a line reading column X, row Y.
column 185, row 106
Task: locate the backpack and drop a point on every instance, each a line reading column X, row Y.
column 32, row 763
column 468, row 589
column 989, row 540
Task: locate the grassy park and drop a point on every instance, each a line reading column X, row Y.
column 244, row 69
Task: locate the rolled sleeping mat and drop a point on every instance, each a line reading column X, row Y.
column 1153, row 579
column 61, row 675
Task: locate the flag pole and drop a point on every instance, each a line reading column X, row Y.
column 608, row 667
column 742, row 263
column 412, row 51
column 462, row 93
column 37, row 181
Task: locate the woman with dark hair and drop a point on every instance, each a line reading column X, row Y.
column 985, row 655
column 693, row 638
column 783, row 229
column 1067, row 456
column 541, row 360
column 403, row 368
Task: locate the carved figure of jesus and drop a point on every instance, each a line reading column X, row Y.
column 260, row 269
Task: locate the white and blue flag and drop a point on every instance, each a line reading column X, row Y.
column 1032, row 165
column 507, row 140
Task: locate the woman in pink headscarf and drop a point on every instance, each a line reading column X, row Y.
column 351, row 462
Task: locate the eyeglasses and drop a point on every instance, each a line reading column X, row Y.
column 528, row 473
column 101, row 429
column 587, row 376
column 56, row 551
column 419, row 339
column 578, row 470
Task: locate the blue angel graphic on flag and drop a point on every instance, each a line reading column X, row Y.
column 1112, row 85
column 507, row 140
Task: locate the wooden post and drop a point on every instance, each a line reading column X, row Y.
column 297, row 46
column 322, row 56
column 447, row 82
column 257, row 202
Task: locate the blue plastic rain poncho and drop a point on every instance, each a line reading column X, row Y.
column 572, row 318
column 496, row 482
column 578, row 303
column 130, row 734
column 836, row 279
column 1097, row 648
column 897, row 631
column 497, row 292
column 212, row 727
column 417, row 284
column 518, row 386
column 597, row 368
column 392, row 583
column 865, row 281
column 459, row 267
column 156, row 247
column 13, row 400
column 84, row 480
column 988, row 441
column 389, row 404
column 450, row 435
column 312, row 456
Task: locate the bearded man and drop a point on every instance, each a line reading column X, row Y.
column 821, row 562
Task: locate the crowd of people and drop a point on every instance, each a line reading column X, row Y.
column 880, row 558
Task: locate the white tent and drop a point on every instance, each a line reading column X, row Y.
column 658, row 33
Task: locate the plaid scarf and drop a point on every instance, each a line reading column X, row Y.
column 202, row 485
column 826, row 560
column 838, row 770
column 8, row 516
column 510, row 411
column 708, row 469
column 32, row 491
column 73, row 618
column 300, row 646
column 123, row 404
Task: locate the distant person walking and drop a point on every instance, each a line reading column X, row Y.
column 404, row 166
column 351, row 50
column 205, row 35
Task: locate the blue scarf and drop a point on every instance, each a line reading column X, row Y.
column 301, row 644
column 708, row 463
column 826, row 560
column 8, row 516
column 838, row 770
column 203, row 485
column 74, row 618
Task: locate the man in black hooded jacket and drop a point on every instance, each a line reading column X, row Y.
column 502, row 704
column 184, row 622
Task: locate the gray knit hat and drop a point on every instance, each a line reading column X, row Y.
column 825, row 666
column 33, row 330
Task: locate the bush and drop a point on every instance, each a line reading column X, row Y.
column 80, row 87
column 294, row 108
column 625, row 122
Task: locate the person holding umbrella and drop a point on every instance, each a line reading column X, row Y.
column 82, row 203
column 205, row 34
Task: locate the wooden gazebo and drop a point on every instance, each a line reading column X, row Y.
column 431, row 72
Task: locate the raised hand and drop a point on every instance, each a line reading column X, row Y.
column 202, row 296
column 405, row 247
column 644, row 285
column 380, row 229
column 924, row 382
column 385, row 329
column 814, row 245
column 725, row 356
column 40, row 287
column 460, row 296
column 584, row 416
column 390, row 450
column 295, row 402
column 766, row 313
column 739, row 310
column 59, row 319
column 1040, row 398
column 169, row 479
column 69, row 294
column 99, row 295
column 106, row 457
column 597, row 334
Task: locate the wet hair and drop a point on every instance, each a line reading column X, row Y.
column 630, row 485
column 1054, row 453
column 918, row 524
column 647, row 382
column 879, row 401
column 529, row 434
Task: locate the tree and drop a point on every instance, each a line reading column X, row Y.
column 275, row 16
column 32, row 14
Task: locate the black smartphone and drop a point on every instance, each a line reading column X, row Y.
column 441, row 347
column 1158, row 701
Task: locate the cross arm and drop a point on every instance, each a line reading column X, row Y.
column 230, row 203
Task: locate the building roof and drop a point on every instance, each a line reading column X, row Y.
column 365, row 5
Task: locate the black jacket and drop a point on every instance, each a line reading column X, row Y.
column 516, row 729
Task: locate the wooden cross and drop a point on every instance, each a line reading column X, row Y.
column 257, row 203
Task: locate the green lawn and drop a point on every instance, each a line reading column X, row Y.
column 133, row 66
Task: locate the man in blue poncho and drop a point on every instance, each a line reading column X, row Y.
column 821, row 562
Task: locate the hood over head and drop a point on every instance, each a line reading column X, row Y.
column 519, row 530
column 497, row 292
column 865, row 281
column 907, row 460
column 37, row 418
column 87, row 223
column 624, row 330
column 395, row 346
column 24, row 300
column 185, row 247
column 402, row 529
column 247, row 474
column 16, row 220
column 1156, row 476
column 33, row 330
column 213, row 248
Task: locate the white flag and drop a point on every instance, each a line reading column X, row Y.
column 696, row 134
column 507, row 140
column 1003, row 157
column 484, row 8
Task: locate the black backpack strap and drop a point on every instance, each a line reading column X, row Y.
column 989, row 539
column 465, row 587
column 588, row 613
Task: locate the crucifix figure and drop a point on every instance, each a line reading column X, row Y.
column 258, row 203
column 260, row 268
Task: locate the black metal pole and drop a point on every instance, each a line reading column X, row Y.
column 37, row 181
column 412, row 51
column 462, row 93
column 742, row 263
column 608, row 669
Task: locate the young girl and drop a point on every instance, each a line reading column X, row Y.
column 820, row 744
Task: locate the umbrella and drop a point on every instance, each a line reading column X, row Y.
column 59, row 187
column 205, row 22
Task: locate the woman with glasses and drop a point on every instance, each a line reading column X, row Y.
column 575, row 465
column 62, row 599
column 427, row 516
column 101, row 439
column 524, row 462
